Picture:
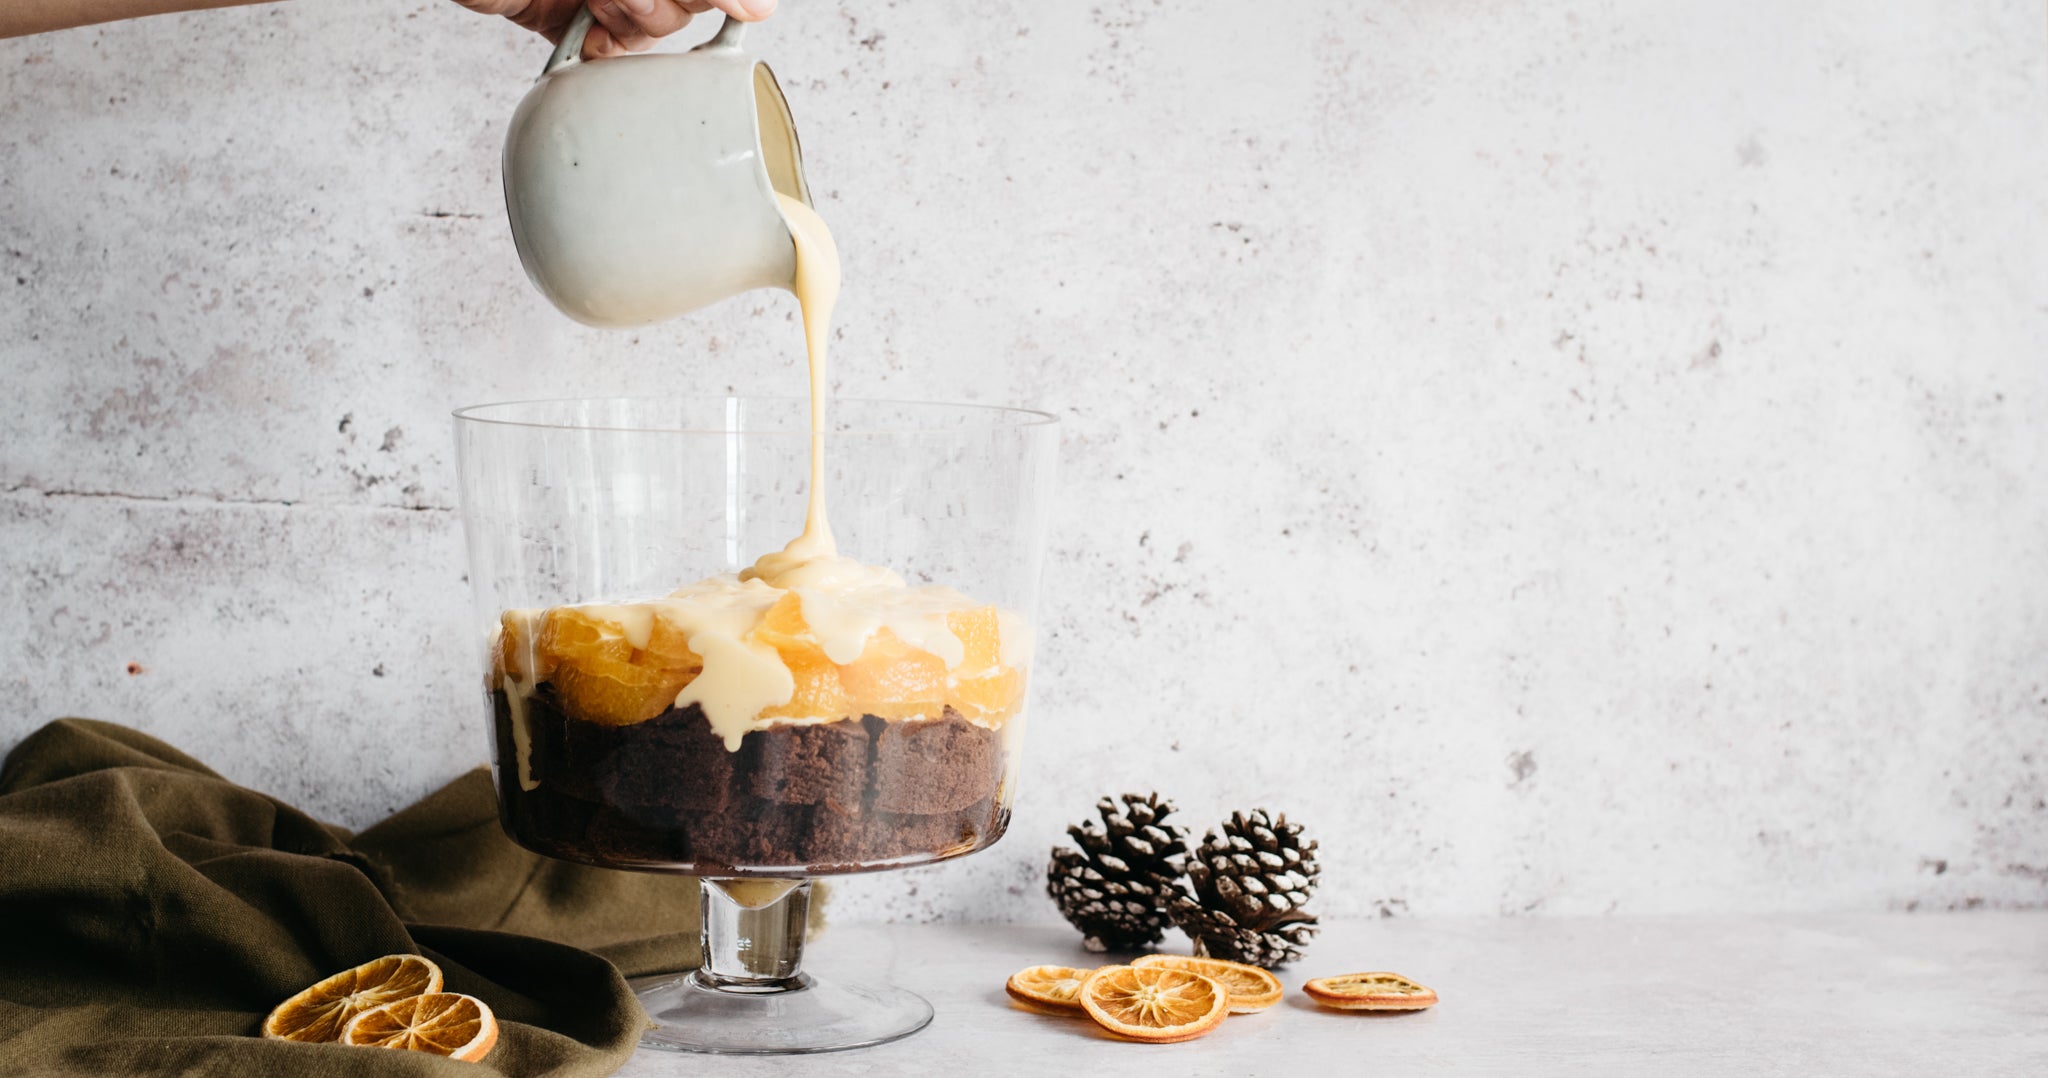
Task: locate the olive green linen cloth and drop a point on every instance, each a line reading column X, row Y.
column 151, row 913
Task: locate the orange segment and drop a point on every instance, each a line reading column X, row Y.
column 517, row 652
column 784, row 619
column 818, row 691
column 980, row 636
column 893, row 680
column 443, row 1023
column 669, row 649
column 1058, row 987
column 1378, row 991
column 598, row 674
column 1251, row 988
column 991, row 697
column 320, row 1012
column 569, row 635
column 1154, row 1004
column 617, row 693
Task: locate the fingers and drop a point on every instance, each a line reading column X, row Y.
column 633, row 25
column 598, row 44
column 621, row 33
column 656, row 18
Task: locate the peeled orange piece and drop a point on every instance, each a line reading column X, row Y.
column 444, row 1023
column 1048, row 986
column 569, row 635
column 1251, row 988
column 979, row 635
column 990, row 697
column 614, row 693
column 1379, row 991
column 893, row 680
column 517, row 653
column 818, row 691
column 320, row 1012
column 1154, row 1004
column 783, row 619
column 668, row 648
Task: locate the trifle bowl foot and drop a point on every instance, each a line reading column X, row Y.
column 813, row 1016
column 751, row 995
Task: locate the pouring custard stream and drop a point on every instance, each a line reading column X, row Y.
column 816, row 286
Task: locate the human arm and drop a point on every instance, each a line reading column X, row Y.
column 19, row 17
column 622, row 25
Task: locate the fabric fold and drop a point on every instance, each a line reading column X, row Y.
column 151, row 912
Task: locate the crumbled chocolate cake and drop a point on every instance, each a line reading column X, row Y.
column 823, row 798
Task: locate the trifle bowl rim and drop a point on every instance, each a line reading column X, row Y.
column 1001, row 416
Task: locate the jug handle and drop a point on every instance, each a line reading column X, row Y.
column 570, row 51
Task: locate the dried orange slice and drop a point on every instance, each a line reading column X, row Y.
column 319, row 1012
column 1370, row 992
column 1251, row 988
column 444, row 1023
column 1154, row 1004
column 1048, row 986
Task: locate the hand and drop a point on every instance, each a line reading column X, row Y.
column 622, row 25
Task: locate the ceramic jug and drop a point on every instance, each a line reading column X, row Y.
column 642, row 187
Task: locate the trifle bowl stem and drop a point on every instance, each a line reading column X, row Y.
column 750, row 996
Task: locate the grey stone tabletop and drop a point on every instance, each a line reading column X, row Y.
column 1881, row 994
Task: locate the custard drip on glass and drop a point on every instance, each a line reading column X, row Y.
column 805, row 637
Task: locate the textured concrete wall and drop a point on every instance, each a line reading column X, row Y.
column 1579, row 456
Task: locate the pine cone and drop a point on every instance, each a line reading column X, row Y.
column 1248, row 888
column 1116, row 887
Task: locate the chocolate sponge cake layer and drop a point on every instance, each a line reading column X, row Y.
column 817, row 799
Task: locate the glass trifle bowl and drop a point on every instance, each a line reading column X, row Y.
column 663, row 697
